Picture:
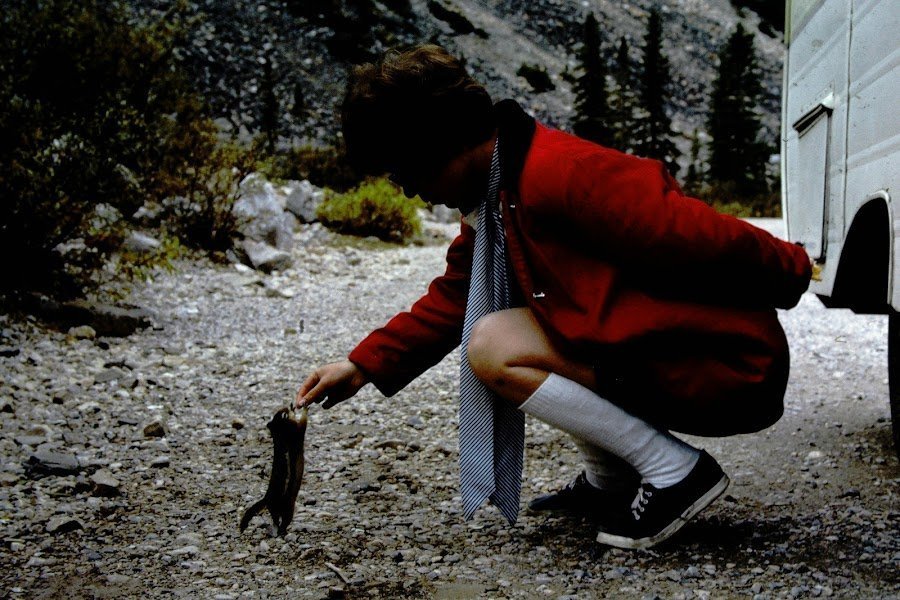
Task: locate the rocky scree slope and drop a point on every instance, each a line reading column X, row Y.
column 239, row 51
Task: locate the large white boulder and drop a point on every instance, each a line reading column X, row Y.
column 261, row 215
column 303, row 199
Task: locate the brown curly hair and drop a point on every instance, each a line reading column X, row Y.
column 415, row 108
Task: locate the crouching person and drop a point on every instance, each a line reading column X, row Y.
column 584, row 289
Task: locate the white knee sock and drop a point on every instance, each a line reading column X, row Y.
column 660, row 458
column 603, row 469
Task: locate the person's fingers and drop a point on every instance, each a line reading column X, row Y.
column 308, row 384
column 318, row 392
column 329, row 384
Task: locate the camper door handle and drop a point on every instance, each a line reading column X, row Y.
column 825, row 106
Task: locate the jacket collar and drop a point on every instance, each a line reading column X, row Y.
column 516, row 128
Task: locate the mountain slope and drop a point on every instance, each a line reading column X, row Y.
column 300, row 52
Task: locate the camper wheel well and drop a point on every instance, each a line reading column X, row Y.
column 861, row 283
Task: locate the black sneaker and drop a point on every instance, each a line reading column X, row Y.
column 656, row 514
column 580, row 497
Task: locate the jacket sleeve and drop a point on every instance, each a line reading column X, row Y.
column 413, row 341
column 632, row 212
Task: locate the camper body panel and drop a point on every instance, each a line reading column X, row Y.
column 873, row 134
column 814, row 132
column 841, row 134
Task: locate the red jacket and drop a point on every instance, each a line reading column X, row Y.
column 672, row 302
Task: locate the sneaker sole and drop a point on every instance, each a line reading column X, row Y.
column 689, row 513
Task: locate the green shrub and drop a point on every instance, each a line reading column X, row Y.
column 200, row 211
column 374, row 208
column 323, row 167
column 94, row 114
column 727, row 198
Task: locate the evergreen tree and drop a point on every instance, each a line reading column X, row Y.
column 737, row 155
column 269, row 122
column 653, row 130
column 696, row 174
column 622, row 100
column 592, row 114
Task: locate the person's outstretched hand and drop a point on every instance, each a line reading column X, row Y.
column 333, row 383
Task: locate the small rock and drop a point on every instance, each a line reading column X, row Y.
column 104, row 485
column 39, row 561
column 692, row 572
column 92, row 555
column 172, row 362
column 185, row 551
column 30, row 440
column 394, row 444
column 63, row 524
column 238, row 424
column 276, row 292
column 189, row 539
column 108, row 375
column 7, row 407
column 45, row 462
column 266, row 258
column 104, row 319
column 89, row 407
column 140, row 243
column 154, row 430
column 364, row 485
column 82, row 332
column 673, row 575
column 159, row 462
column 7, row 479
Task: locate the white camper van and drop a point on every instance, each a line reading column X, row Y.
column 841, row 156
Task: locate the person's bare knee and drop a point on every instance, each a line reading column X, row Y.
column 486, row 351
column 510, row 354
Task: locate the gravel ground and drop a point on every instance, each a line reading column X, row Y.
column 163, row 442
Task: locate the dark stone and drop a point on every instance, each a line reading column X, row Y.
column 63, row 524
column 45, row 462
column 104, row 485
column 364, row 485
column 92, row 555
column 8, row 352
column 154, row 430
column 30, row 440
column 108, row 375
column 105, row 319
